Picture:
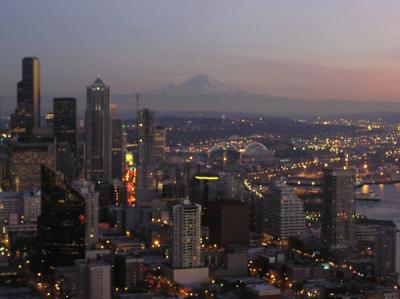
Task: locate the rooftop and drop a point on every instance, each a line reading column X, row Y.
column 263, row 289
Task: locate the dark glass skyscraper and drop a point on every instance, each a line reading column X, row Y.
column 338, row 195
column 61, row 226
column 27, row 113
column 146, row 149
column 65, row 121
column 65, row 133
column 146, row 133
column 98, row 133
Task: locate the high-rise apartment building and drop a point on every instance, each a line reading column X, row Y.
column 96, row 277
column 186, row 235
column 87, row 190
column 338, row 195
column 283, row 212
column 65, row 134
column 27, row 114
column 99, row 280
column 61, row 226
column 98, row 133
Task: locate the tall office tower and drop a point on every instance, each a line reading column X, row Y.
column 98, row 133
column 146, row 151
column 160, row 143
column 27, row 113
column 186, row 236
column 283, row 212
column 26, row 158
column 255, row 210
column 87, row 190
column 338, row 192
column 117, row 145
column 61, row 226
column 65, row 129
column 117, row 150
column 65, row 133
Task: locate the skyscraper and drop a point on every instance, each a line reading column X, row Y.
column 65, row 121
column 61, row 226
column 27, row 113
column 117, row 150
column 65, row 133
column 117, row 144
column 146, row 150
column 160, row 144
column 283, row 212
column 186, row 235
column 338, row 192
column 98, row 133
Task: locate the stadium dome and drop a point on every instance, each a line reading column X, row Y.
column 256, row 151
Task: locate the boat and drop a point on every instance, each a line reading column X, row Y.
column 369, row 196
column 359, row 182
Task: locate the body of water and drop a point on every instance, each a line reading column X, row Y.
column 386, row 209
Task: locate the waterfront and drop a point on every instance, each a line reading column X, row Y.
column 386, row 209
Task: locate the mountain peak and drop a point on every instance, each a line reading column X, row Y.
column 200, row 84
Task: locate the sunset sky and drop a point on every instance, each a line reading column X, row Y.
column 313, row 49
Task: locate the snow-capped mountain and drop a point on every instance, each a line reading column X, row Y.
column 200, row 84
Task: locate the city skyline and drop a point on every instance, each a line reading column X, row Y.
column 306, row 50
column 223, row 149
